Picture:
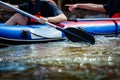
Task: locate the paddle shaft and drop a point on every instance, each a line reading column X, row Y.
column 94, row 19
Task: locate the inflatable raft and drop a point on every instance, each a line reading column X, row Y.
column 14, row 35
column 101, row 27
column 41, row 33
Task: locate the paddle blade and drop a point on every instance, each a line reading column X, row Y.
column 79, row 35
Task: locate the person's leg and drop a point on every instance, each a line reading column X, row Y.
column 17, row 19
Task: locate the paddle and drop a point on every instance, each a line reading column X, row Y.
column 73, row 34
column 93, row 19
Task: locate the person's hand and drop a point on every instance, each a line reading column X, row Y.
column 71, row 6
column 43, row 20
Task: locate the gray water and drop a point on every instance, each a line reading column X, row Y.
column 62, row 60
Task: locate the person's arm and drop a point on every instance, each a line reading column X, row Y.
column 89, row 6
column 57, row 19
column 52, row 13
column 54, row 19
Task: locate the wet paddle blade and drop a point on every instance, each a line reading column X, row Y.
column 79, row 35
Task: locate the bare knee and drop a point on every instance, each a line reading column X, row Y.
column 21, row 19
column 17, row 19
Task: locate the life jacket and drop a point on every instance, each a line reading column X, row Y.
column 116, row 15
column 38, row 14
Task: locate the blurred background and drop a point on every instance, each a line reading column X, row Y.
column 78, row 13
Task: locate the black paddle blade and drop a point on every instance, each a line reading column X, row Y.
column 78, row 35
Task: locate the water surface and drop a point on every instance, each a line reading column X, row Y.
column 62, row 60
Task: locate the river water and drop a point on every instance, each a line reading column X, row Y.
column 62, row 60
